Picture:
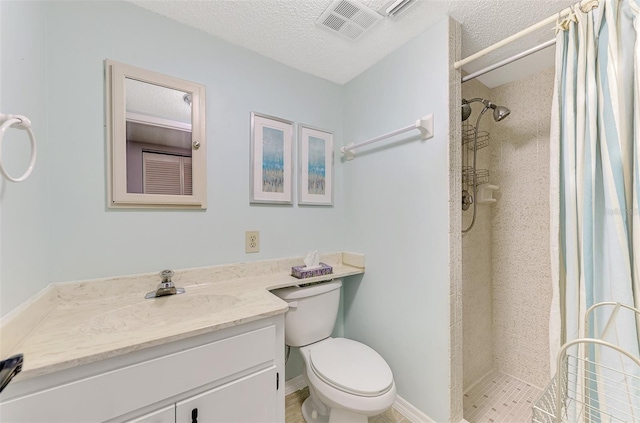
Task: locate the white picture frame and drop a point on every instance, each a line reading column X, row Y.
column 315, row 166
column 271, row 180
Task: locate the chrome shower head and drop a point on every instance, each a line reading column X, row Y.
column 500, row 112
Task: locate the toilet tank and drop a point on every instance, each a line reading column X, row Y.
column 312, row 312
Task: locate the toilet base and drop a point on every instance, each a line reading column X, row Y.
column 308, row 412
column 337, row 415
column 343, row 416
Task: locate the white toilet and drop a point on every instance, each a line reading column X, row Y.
column 348, row 381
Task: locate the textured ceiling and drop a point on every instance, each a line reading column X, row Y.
column 157, row 101
column 285, row 30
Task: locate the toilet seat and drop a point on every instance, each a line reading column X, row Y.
column 351, row 367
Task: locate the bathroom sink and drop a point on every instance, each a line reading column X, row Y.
column 162, row 310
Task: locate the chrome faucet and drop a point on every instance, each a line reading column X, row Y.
column 165, row 287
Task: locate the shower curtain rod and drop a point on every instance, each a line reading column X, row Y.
column 511, row 59
column 585, row 5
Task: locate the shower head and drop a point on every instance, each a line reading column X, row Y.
column 500, row 112
column 466, row 110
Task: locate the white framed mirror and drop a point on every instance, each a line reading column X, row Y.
column 156, row 139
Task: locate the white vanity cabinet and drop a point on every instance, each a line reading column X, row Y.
column 164, row 415
column 230, row 375
column 248, row 400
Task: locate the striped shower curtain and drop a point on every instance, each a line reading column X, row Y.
column 595, row 188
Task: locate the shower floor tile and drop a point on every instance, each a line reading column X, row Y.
column 500, row 398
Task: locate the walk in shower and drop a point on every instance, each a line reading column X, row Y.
column 506, row 289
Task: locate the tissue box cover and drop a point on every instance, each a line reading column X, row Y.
column 300, row 272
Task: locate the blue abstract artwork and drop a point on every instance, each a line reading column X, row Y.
column 272, row 160
column 317, row 163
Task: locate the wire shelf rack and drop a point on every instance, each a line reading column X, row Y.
column 468, row 131
column 469, row 175
column 584, row 404
column 585, row 390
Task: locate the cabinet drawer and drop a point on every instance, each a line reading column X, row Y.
column 251, row 399
column 129, row 388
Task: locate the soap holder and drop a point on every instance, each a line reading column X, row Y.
column 485, row 194
column 301, row 272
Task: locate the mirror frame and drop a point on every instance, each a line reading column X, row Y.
column 115, row 95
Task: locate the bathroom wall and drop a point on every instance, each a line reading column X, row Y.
column 397, row 197
column 3, row 182
column 391, row 203
column 477, row 314
column 23, row 221
column 521, row 271
column 56, row 227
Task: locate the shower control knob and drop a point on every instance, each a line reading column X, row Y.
column 467, row 200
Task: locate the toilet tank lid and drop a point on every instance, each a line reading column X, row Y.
column 297, row 292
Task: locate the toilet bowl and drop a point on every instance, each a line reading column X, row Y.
column 349, row 376
column 348, row 381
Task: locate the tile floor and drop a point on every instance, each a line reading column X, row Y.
column 293, row 414
column 500, row 398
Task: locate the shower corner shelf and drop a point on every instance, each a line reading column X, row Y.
column 480, row 176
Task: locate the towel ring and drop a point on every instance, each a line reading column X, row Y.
column 19, row 122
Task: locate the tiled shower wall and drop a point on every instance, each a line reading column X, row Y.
column 477, row 320
column 521, row 270
column 506, row 288
column 455, row 238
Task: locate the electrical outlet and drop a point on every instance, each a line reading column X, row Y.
column 252, row 242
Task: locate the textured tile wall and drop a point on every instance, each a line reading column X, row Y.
column 455, row 238
column 521, row 274
column 476, row 256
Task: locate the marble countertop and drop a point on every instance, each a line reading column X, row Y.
column 72, row 324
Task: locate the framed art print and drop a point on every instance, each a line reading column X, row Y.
column 315, row 166
column 271, row 160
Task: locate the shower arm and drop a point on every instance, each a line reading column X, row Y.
column 475, row 154
column 487, row 103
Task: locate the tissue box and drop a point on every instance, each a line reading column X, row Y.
column 301, row 272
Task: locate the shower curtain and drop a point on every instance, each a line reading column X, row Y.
column 595, row 179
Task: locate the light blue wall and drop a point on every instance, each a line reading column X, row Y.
column 84, row 239
column 23, row 222
column 397, row 203
column 391, row 203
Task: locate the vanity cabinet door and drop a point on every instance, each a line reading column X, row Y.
column 164, row 415
column 250, row 399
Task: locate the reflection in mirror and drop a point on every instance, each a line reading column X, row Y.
column 156, row 134
column 158, row 139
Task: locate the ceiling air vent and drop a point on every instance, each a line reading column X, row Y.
column 348, row 18
column 395, row 8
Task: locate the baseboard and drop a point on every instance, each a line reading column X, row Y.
column 414, row 415
column 294, row 384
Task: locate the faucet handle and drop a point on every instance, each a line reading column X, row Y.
column 165, row 287
column 166, row 275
